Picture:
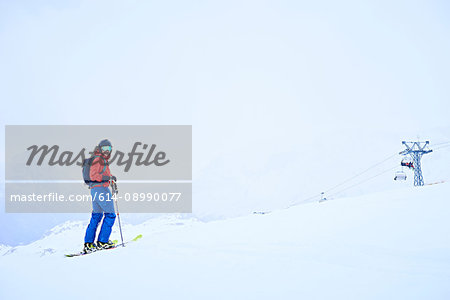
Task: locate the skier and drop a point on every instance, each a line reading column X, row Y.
column 102, row 202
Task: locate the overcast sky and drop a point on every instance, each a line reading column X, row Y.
column 308, row 84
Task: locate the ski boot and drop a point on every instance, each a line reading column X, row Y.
column 89, row 247
column 108, row 245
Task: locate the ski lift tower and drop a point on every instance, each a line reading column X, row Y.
column 416, row 150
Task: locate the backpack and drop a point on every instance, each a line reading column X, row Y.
column 87, row 163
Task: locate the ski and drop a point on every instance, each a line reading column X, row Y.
column 116, row 245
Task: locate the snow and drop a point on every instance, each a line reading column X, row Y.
column 387, row 245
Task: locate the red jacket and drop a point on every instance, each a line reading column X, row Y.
column 98, row 165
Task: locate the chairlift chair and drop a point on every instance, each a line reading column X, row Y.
column 407, row 162
column 400, row 175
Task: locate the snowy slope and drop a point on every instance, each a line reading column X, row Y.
column 389, row 245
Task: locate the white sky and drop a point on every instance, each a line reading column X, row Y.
column 258, row 80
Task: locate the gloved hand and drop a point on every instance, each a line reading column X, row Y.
column 108, row 178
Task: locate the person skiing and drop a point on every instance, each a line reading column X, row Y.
column 102, row 202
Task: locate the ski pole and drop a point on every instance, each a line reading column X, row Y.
column 115, row 191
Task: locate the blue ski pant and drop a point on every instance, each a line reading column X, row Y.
column 102, row 207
